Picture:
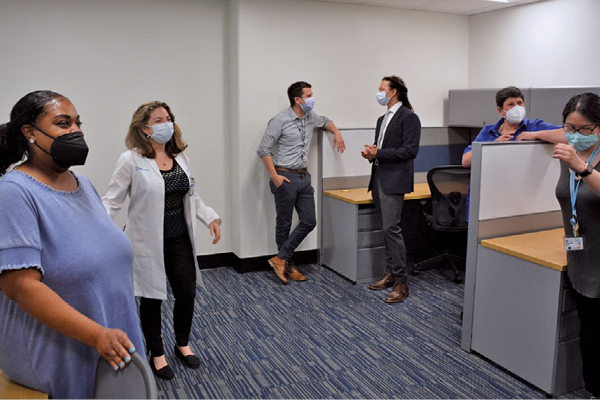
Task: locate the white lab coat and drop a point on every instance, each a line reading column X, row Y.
column 140, row 178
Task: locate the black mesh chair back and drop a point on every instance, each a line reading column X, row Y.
column 449, row 187
column 136, row 381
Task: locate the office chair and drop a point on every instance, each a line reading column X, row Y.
column 136, row 381
column 449, row 186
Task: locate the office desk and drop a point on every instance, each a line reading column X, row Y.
column 524, row 318
column 353, row 242
column 12, row 390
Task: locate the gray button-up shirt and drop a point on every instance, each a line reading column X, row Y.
column 292, row 135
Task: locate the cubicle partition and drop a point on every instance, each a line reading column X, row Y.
column 517, row 308
column 339, row 220
column 548, row 103
column 477, row 107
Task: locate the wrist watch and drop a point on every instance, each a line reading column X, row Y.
column 587, row 171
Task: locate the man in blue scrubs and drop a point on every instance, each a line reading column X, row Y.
column 513, row 125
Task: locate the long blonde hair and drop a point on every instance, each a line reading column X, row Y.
column 137, row 140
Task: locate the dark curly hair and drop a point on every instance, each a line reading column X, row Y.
column 506, row 93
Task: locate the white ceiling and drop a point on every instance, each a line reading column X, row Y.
column 465, row 7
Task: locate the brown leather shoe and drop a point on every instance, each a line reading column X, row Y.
column 279, row 266
column 385, row 282
column 294, row 274
column 398, row 293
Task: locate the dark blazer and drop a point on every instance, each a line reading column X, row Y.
column 398, row 150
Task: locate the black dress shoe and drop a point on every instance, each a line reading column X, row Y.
column 165, row 372
column 190, row 361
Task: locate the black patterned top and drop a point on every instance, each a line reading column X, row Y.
column 177, row 185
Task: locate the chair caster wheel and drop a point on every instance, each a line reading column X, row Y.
column 415, row 273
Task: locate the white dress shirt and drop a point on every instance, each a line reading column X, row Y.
column 391, row 111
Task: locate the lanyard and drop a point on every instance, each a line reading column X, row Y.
column 574, row 189
column 301, row 130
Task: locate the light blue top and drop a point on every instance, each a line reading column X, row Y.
column 83, row 257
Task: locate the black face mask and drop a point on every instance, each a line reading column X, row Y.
column 68, row 149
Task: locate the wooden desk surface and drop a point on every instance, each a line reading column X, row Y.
column 545, row 247
column 12, row 390
column 361, row 196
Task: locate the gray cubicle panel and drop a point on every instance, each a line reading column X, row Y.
column 341, row 171
column 347, row 170
column 514, row 202
column 475, row 107
column 512, row 311
column 547, row 104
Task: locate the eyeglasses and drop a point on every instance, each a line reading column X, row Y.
column 583, row 131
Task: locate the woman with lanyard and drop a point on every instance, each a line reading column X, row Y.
column 161, row 223
column 578, row 192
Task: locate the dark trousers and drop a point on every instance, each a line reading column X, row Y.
column 389, row 209
column 589, row 340
column 298, row 193
column 181, row 273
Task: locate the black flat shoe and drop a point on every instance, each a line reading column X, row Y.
column 165, row 372
column 189, row 361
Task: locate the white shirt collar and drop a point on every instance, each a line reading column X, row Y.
column 395, row 107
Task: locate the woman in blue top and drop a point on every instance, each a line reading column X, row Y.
column 65, row 267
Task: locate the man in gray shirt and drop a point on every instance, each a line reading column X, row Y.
column 290, row 132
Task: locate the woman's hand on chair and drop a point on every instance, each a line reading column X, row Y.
column 114, row 346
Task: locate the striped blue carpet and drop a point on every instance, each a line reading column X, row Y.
column 329, row 338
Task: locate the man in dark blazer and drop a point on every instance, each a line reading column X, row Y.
column 392, row 175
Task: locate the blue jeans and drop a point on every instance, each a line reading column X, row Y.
column 298, row 193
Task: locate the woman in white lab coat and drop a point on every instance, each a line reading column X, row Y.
column 161, row 223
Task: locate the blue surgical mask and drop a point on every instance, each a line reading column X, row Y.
column 308, row 105
column 382, row 98
column 581, row 142
column 162, row 133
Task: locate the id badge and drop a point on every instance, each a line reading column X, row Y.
column 192, row 187
column 574, row 243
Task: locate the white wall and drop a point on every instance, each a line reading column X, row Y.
column 550, row 43
column 224, row 67
column 343, row 51
column 109, row 57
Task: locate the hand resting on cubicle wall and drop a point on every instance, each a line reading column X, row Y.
column 551, row 136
